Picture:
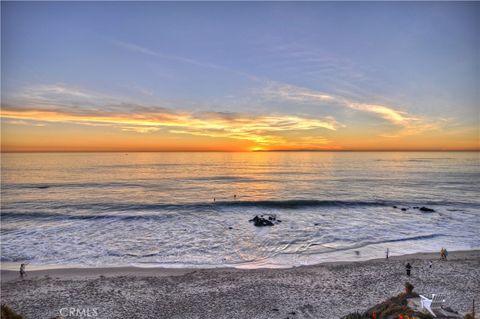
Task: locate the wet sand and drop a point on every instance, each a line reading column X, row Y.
column 328, row 290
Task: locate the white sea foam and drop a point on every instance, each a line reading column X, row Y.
column 157, row 209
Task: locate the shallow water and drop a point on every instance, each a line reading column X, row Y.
column 158, row 209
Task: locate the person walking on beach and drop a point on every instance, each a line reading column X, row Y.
column 408, row 268
column 443, row 254
column 387, row 253
column 22, row 270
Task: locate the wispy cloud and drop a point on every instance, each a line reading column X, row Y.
column 28, row 123
column 140, row 129
column 143, row 50
column 181, row 59
column 135, row 48
column 302, row 61
column 409, row 123
column 259, row 128
column 60, row 103
column 59, row 95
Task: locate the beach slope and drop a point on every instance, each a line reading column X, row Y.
column 321, row 291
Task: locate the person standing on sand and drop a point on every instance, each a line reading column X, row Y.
column 387, row 253
column 22, row 270
column 443, row 253
column 408, row 267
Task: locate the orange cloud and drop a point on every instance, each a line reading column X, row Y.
column 36, row 118
column 260, row 129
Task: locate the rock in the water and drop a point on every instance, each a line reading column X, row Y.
column 394, row 206
column 254, row 219
column 261, row 221
column 404, row 209
column 426, row 209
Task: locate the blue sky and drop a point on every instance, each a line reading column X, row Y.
column 360, row 65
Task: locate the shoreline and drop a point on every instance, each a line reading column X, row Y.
column 66, row 272
column 327, row 290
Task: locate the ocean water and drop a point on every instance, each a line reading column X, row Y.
column 158, row 209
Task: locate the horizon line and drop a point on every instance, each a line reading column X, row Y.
column 245, row 151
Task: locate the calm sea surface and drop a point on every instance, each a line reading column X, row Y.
column 158, row 209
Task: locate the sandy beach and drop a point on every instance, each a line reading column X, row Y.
column 328, row 290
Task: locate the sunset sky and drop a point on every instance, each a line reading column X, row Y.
column 152, row 76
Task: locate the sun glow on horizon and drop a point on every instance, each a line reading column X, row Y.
column 47, row 131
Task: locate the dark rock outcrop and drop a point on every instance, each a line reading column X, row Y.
column 422, row 209
column 264, row 220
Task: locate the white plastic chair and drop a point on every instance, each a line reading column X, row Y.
column 435, row 303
